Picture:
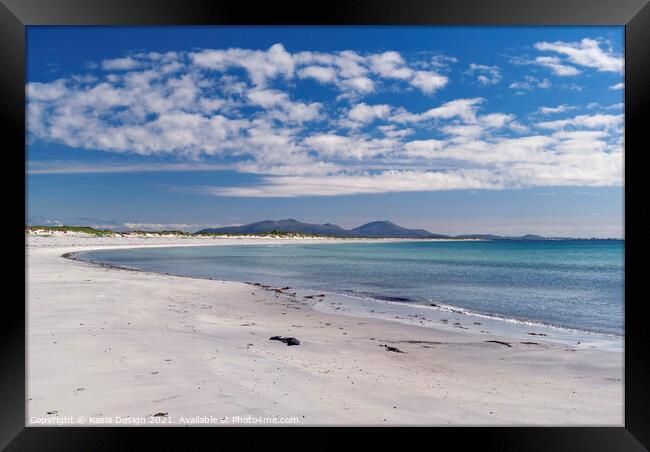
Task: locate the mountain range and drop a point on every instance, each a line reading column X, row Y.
column 374, row 229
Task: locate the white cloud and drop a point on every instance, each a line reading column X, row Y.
column 281, row 107
column 462, row 108
column 587, row 53
column 260, row 65
column 351, row 64
column 390, row 65
column 553, row 110
column 617, row 86
column 464, row 131
column 77, row 167
column 442, row 61
column 267, row 98
column 350, row 147
column 572, row 86
column 212, row 105
column 86, row 78
column 319, row 73
column 530, row 83
column 362, row 113
column 353, row 73
column 424, row 148
column 617, row 106
column 496, row 120
column 351, row 184
column 243, row 110
column 120, row 64
column 554, row 64
column 429, row 82
column 485, row 75
column 359, row 84
column 392, row 131
column 585, row 121
column 46, row 92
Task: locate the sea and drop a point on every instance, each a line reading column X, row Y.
column 574, row 288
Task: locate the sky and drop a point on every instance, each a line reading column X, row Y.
column 505, row 130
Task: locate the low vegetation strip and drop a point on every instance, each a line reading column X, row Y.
column 83, row 229
column 106, row 233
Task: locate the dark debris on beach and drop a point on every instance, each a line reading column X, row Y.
column 507, row 344
column 286, row 340
column 391, row 349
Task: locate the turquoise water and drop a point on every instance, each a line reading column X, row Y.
column 577, row 284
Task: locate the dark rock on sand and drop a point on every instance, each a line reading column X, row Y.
column 286, row 340
column 501, row 342
column 420, row 342
column 391, row 349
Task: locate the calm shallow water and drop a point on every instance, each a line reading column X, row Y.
column 574, row 284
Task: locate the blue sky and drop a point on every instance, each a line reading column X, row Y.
column 506, row 130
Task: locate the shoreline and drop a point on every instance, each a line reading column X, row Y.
column 502, row 324
column 423, row 378
column 566, row 335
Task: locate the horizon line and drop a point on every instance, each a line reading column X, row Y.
column 125, row 229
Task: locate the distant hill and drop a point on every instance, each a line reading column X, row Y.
column 388, row 229
column 288, row 225
column 374, row 229
column 529, row 238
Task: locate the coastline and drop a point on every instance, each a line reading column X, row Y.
column 438, row 316
column 96, row 337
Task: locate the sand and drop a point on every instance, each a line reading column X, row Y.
column 116, row 347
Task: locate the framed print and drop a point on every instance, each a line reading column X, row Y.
column 376, row 214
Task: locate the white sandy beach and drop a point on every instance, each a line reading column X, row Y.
column 106, row 343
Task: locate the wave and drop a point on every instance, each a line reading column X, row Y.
column 382, row 297
column 436, row 306
column 520, row 321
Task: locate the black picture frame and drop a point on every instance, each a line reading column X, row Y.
column 15, row 15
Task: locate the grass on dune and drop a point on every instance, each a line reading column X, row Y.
column 84, row 229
